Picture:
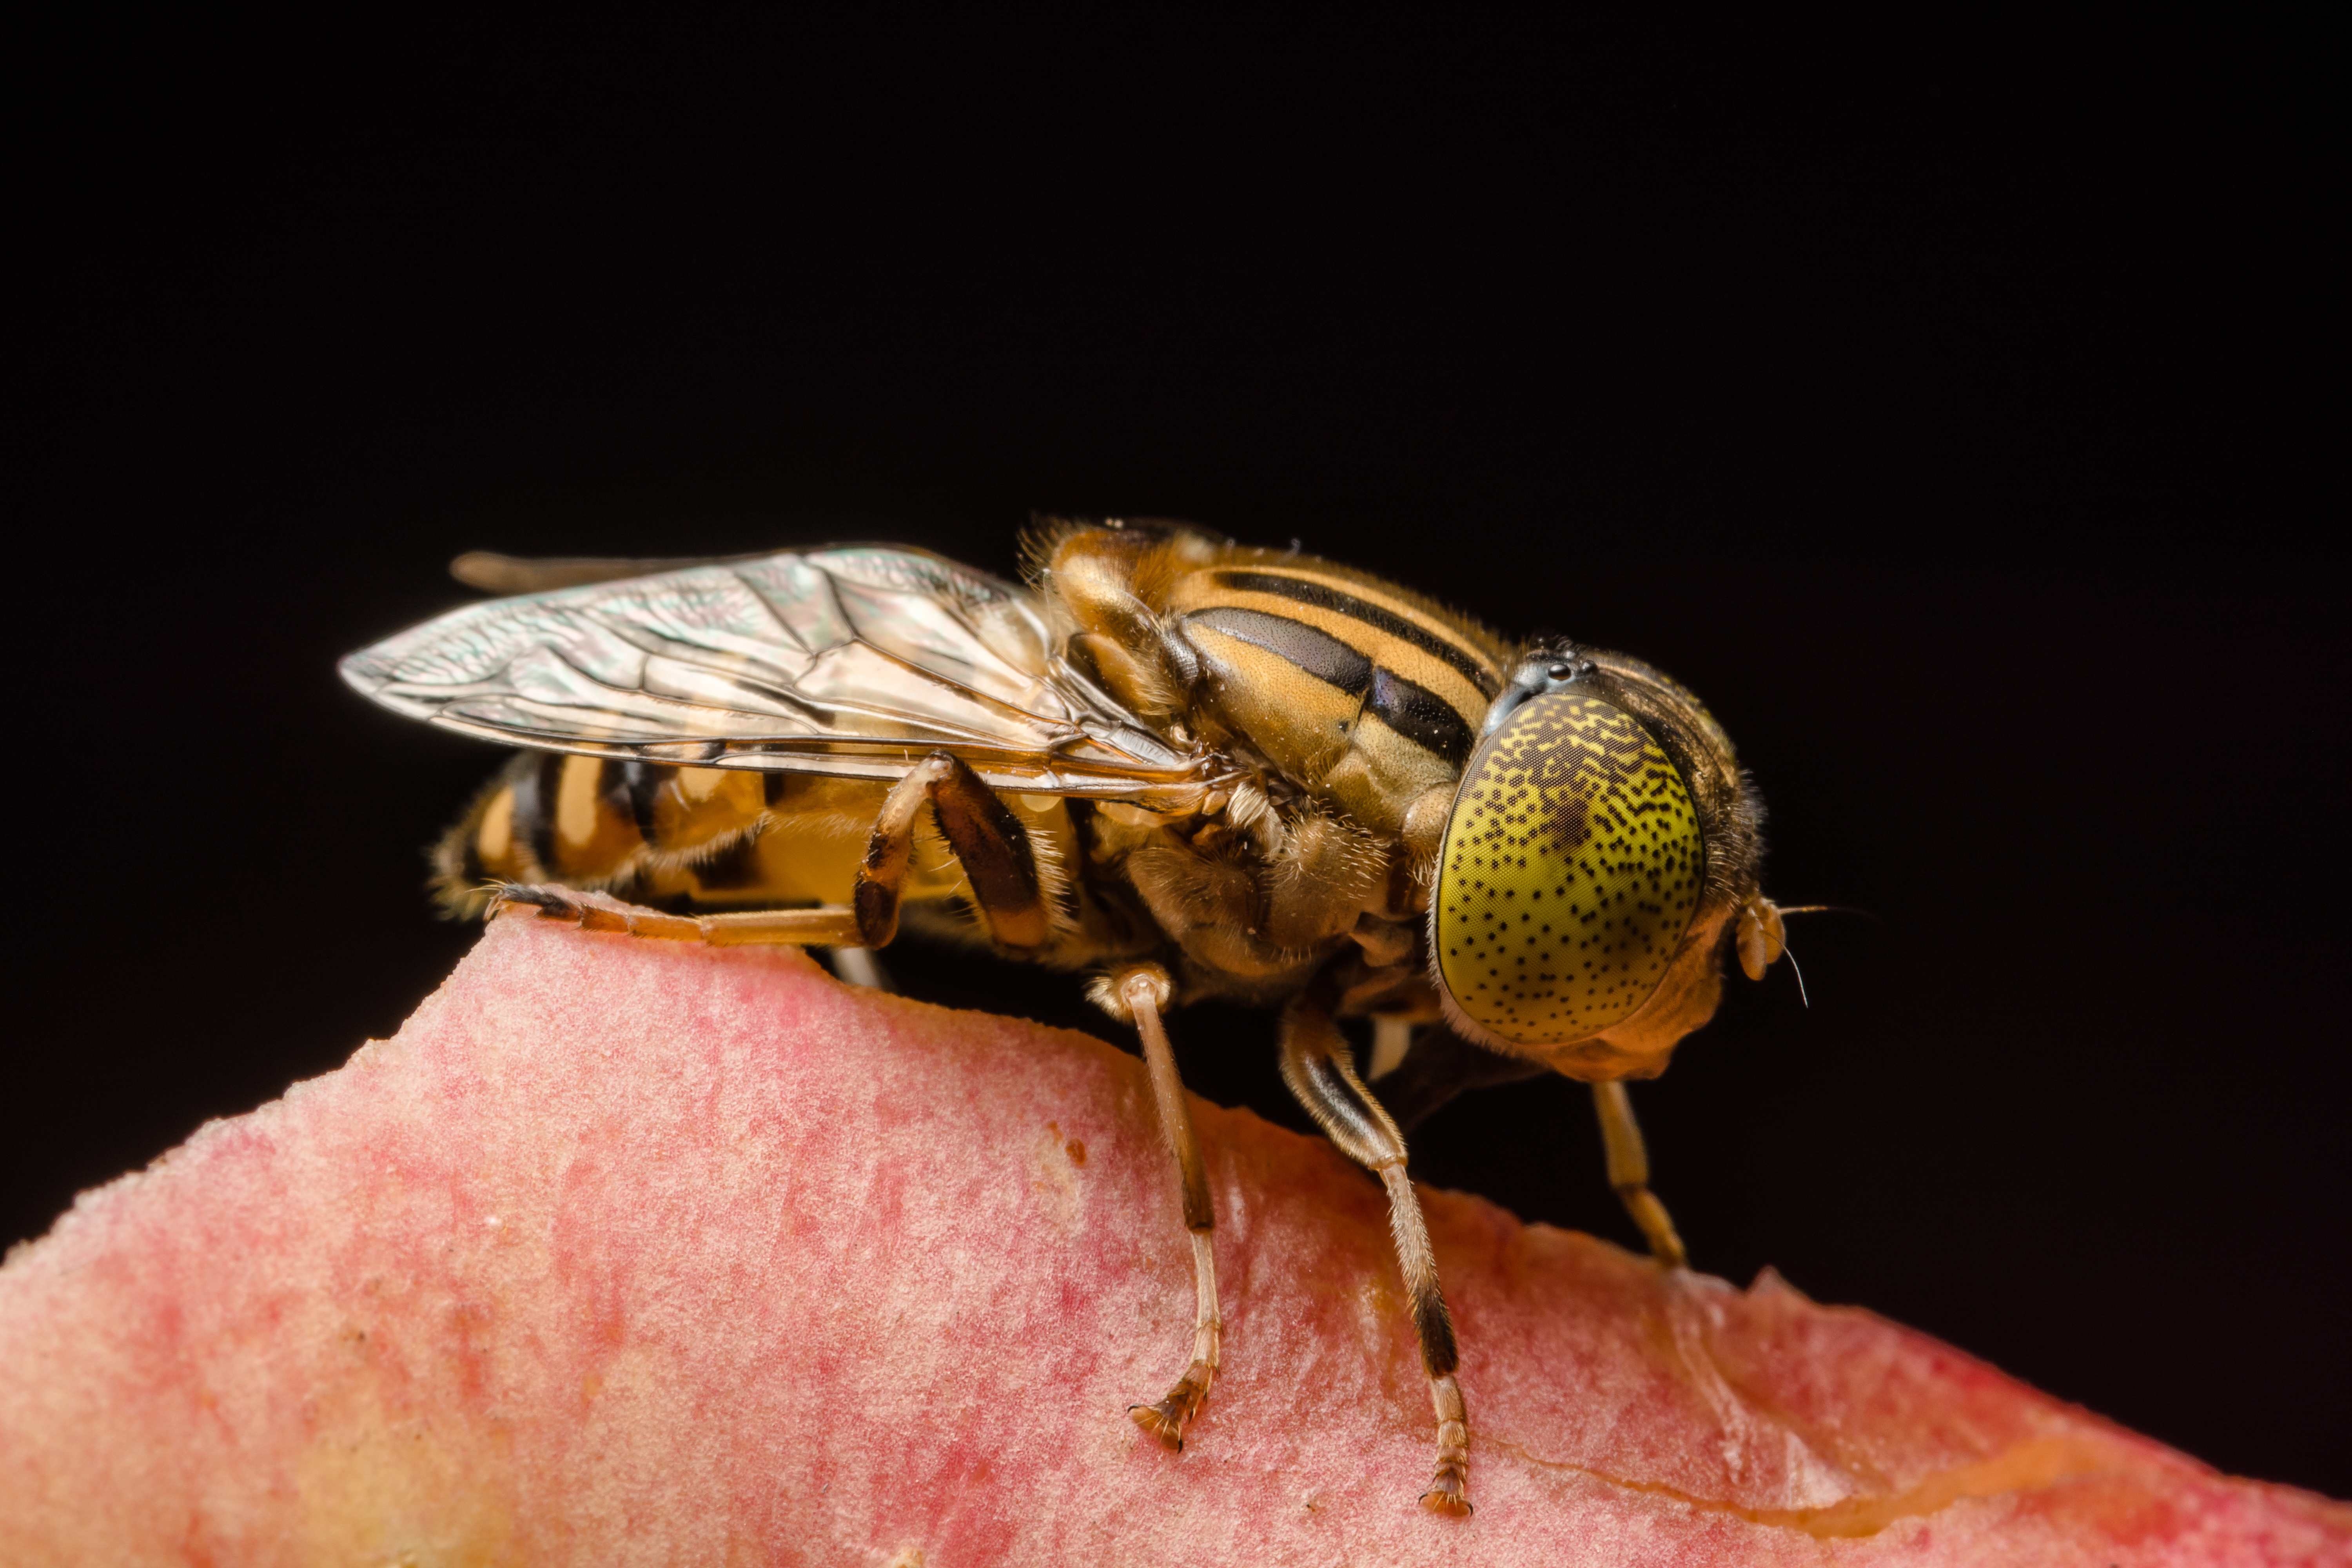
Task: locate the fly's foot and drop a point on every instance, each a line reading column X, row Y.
column 1167, row 1420
column 553, row 903
column 760, row 927
column 1449, row 1486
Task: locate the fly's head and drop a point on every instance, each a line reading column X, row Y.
column 1601, row 853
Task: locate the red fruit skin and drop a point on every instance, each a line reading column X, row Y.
column 623, row 1252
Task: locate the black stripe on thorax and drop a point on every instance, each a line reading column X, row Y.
column 1421, row 716
column 1415, row 711
column 1308, row 591
column 1318, row 652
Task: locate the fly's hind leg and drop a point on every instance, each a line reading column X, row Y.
column 1629, row 1173
column 1317, row 1065
column 1139, row 993
column 825, row 927
column 998, row 858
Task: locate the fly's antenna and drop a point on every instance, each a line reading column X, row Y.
column 1791, row 953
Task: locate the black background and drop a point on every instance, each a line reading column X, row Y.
column 1933, row 401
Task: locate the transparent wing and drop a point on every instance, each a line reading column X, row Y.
column 855, row 661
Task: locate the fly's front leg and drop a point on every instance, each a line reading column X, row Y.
column 1317, row 1065
column 1140, row 994
column 1629, row 1173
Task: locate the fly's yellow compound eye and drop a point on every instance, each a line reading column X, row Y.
column 1571, row 868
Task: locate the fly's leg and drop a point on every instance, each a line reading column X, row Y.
column 994, row 848
column 1629, row 1173
column 998, row 858
column 1317, row 1065
column 827, row 927
column 1140, row 994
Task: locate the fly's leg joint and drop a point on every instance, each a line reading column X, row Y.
column 988, row 839
column 1117, row 993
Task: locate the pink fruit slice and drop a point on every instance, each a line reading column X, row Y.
column 628, row 1253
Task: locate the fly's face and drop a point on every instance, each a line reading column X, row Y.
column 1599, row 840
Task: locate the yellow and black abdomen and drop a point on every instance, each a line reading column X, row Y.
column 1354, row 687
column 716, row 838
column 654, row 834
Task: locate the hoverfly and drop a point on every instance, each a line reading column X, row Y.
column 1191, row 768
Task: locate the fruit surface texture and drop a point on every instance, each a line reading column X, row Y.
column 640, row 1252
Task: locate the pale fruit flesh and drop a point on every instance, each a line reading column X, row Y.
column 628, row 1252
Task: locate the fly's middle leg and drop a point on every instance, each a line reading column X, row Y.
column 1140, row 994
